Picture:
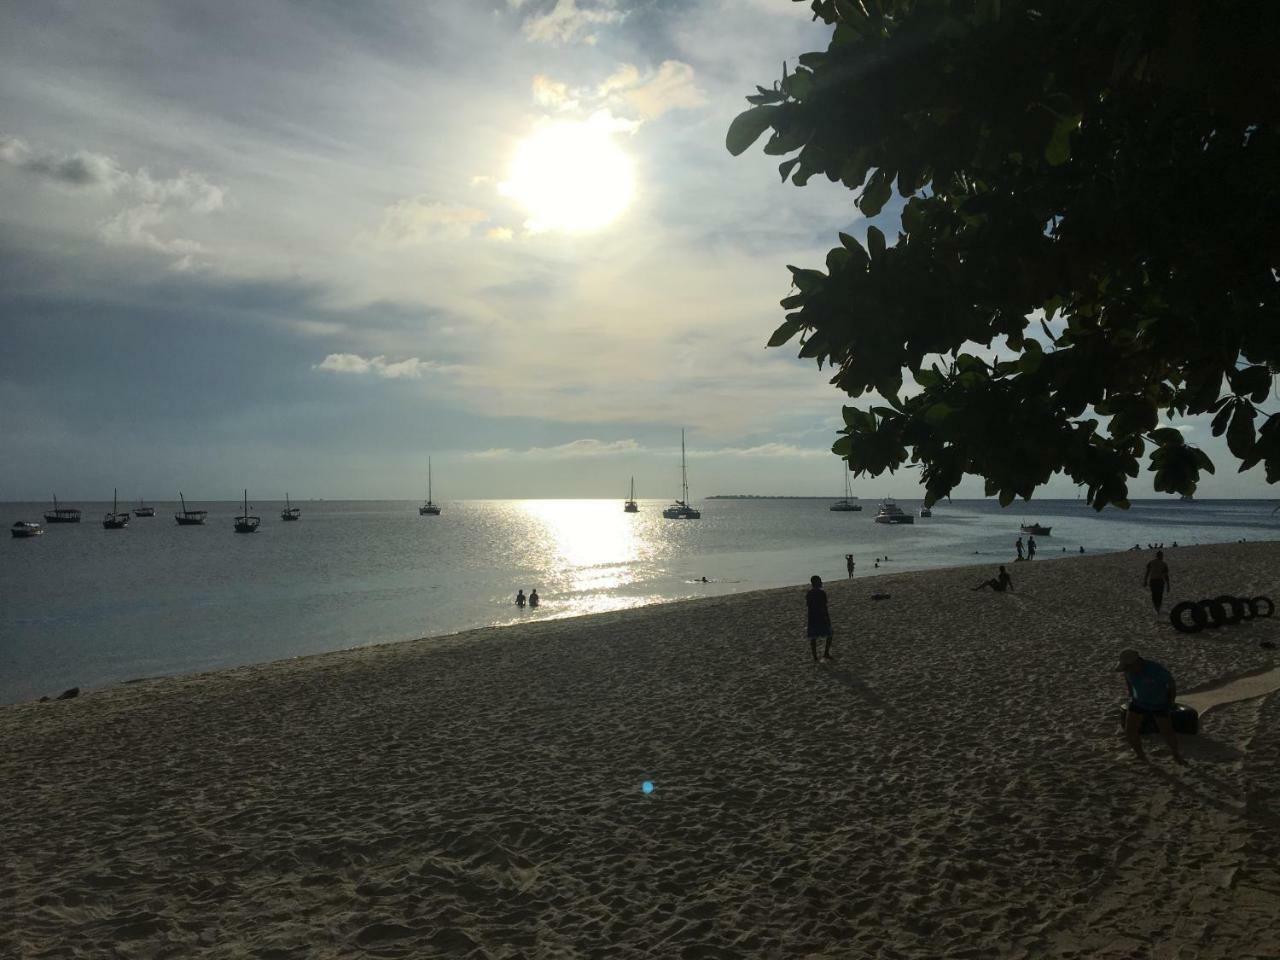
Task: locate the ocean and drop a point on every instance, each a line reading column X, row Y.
column 83, row 606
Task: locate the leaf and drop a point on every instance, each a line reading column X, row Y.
column 1223, row 416
column 785, row 332
column 786, row 166
column 1255, row 381
column 747, row 127
column 875, row 244
column 1058, row 151
column 859, row 252
column 876, row 193
column 937, row 413
column 1241, row 434
column 1167, row 436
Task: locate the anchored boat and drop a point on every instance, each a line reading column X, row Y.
column 244, row 522
column 890, row 512
column 680, row 510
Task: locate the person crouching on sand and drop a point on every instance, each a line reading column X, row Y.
column 1151, row 694
column 999, row 584
column 819, row 619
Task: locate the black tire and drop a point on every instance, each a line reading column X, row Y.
column 1215, row 611
column 1198, row 618
column 1233, row 607
column 1246, row 609
column 1256, row 603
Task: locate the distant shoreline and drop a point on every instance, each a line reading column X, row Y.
column 766, row 496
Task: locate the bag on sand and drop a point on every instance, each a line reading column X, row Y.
column 1185, row 720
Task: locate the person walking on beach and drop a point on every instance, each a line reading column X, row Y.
column 848, row 564
column 520, row 599
column 999, row 584
column 1152, row 692
column 1031, row 548
column 1157, row 577
column 819, row 620
column 1019, row 547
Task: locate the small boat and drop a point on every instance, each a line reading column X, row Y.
column 26, row 528
column 631, row 506
column 847, row 505
column 890, row 512
column 189, row 518
column 926, row 512
column 62, row 514
column 290, row 512
column 429, row 509
column 244, row 522
column 680, row 510
column 142, row 510
column 1035, row 529
column 115, row 520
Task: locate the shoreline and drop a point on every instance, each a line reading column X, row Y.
column 954, row 784
column 481, row 633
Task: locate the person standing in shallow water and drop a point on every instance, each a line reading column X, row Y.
column 1157, row 578
column 1018, row 545
column 1031, row 548
column 520, row 599
column 819, row 620
column 848, row 564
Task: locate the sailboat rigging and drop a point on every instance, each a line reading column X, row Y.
column 429, row 509
column 680, row 510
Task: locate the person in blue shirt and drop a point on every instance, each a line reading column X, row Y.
column 1152, row 692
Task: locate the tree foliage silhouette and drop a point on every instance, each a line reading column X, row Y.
column 1091, row 186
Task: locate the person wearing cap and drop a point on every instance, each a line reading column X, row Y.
column 1152, row 693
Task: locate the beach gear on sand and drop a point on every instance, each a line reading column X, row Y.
column 1186, row 720
column 1223, row 610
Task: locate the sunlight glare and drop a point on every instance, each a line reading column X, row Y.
column 571, row 176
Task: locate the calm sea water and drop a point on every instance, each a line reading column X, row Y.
column 83, row 606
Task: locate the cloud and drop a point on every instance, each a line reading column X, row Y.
column 411, row 368
column 419, row 220
column 566, row 22
column 784, row 450
column 500, row 234
column 586, row 447
column 155, row 200
column 672, row 87
column 551, row 93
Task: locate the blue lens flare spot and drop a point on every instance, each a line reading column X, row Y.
column 647, row 786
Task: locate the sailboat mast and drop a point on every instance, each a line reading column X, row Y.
column 428, row 479
column 684, row 471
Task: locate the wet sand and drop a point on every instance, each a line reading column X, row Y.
column 954, row 785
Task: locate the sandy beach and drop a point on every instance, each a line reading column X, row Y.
column 954, row 785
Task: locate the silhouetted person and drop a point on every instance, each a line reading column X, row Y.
column 819, row 620
column 1152, row 693
column 1157, row 578
column 848, row 563
column 999, row 584
column 520, row 599
column 533, row 599
column 1018, row 547
column 1082, row 549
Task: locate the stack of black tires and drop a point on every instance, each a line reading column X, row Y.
column 1192, row 616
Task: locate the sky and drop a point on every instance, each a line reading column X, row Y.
column 304, row 246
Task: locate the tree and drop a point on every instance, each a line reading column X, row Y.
column 1093, row 187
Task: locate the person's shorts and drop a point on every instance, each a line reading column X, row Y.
column 1150, row 711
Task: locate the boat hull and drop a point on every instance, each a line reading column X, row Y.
column 294, row 514
column 682, row 513
column 247, row 524
column 144, row 512
column 115, row 521
column 61, row 518
column 631, row 508
column 23, row 531
column 430, row 510
column 1036, row 531
column 895, row 520
column 846, row 508
column 188, row 521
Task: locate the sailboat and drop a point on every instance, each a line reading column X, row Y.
column 631, row 506
column 244, row 522
column 846, row 505
column 429, row 509
column 115, row 520
column 189, row 518
column 142, row 510
column 680, row 510
column 289, row 512
column 62, row 514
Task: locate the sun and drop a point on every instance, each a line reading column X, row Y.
column 571, row 176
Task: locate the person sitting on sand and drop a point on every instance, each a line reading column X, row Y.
column 533, row 598
column 819, row 620
column 999, row 584
column 1157, row 577
column 1152, row 693
column 520, row 599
